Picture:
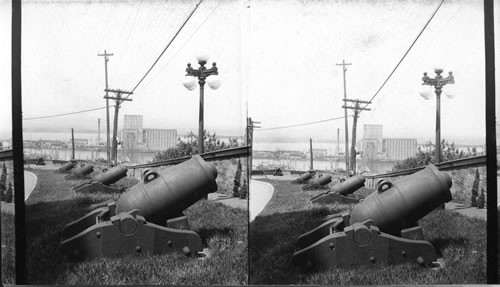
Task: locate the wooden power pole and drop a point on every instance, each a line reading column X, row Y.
column 311, row 151
column 106, row 59
column 250, row 126
column 118, row 100
column 344, row 69
column 357, row 110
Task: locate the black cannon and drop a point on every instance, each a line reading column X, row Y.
column 339, row 192
column 381, row 229
column 318, row 183
column 102, row 181
column 147, row 218
column 81, row 172
column 65, row 168
column 304, row 177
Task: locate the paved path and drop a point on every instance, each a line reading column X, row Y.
column 29, row 185
column 228, row 200
column 260, row 194
column 467, row 211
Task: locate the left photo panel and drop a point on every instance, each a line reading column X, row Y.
column 134, row 137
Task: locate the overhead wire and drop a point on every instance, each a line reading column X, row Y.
column 101, row 108
column 303, row 124
column 168, row 45
column 65, row 114
column 188, row 39
column 404, row 55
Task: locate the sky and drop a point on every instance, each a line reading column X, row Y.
column 278, row 59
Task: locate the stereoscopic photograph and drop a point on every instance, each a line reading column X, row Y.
column 247, row 142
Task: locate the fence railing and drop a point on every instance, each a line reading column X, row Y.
column 208, row 156
column 476, row 161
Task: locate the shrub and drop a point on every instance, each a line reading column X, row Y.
column 190, row 146
column 475, row 186
column 237, row 181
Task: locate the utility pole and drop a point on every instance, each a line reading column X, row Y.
column 98, row 132
column 72, row 144
column 311, row 151
column 344, row 69
column 106, row 59
column 118, row 100
column 250, row 126
column 338, row 142
column 357, row 110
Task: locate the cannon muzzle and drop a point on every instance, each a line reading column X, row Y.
column 112, row 175
column 147, row 217
column 398, row 205
column 340, row 191
column 67, row 166
column 381, row 229
column 318, row 183
column 303, row 178
column 81, row 172
column 102, row 181
column 349, row 186
column 165, row 195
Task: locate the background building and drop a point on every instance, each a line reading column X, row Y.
column 378, row 152
column 399, row 149
column 159, row 139
column 136, row 138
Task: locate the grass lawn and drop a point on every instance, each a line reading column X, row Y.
column 273, row 234
column 52, row 205
column 8, row 249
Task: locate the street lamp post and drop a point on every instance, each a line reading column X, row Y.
column 438, row 82
column 190, row 83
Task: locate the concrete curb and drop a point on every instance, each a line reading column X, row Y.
column 260, row 195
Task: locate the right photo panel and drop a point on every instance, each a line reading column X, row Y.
column 368, row 134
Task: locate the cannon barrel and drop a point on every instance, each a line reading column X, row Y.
column 324, row 180
column 398, row 205
column 303, row 178
column 84, row 170
column 349, row 186
column 112, row 175
column 165, row 195
column 67, row 166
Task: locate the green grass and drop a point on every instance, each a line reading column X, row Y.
column 460, row 240
column 53, row 205
column 8, row 249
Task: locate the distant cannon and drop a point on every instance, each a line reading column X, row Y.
column 382, row 229
column 304, row 177
column 339, row 192
column 278, row 172
column 67, row 166
column 81, row 172
column 318, row 183
column 147, row 218
column 102, row 181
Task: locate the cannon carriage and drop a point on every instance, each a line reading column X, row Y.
column 103, row 181
column 81, row 172
column 340, row 192
column 147, row 218
column 304, row 178
column 318, row 183
column 381, row 229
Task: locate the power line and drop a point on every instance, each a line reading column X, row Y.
column 188, row 39
column 168, row 45
column 303, row 124
column 90, row 110
column 65, row 114
column 407, row 51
